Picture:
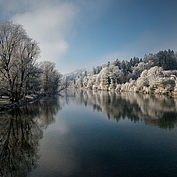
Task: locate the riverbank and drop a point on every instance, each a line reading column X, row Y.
column 124, row 88
column 6, row 105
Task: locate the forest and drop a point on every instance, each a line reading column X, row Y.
column 155, row 73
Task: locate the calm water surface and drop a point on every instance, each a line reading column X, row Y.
column 91, row 134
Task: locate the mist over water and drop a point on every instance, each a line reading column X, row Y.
column 86, row 133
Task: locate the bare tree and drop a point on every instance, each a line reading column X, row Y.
column 50, row 77
column 27, row 69
column 18, row 54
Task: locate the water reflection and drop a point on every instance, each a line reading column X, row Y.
column 155, row 110
column 48, row 110
column 22, row 129
column 20, row 132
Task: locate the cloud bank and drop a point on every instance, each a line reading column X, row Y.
column 49, row 25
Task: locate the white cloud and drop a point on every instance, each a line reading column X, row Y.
column 49, row 24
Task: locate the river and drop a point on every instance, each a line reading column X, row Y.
column 90, row 134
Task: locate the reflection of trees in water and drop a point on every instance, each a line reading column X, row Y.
column 20, row 132
column 154, row 110
column 49, row 108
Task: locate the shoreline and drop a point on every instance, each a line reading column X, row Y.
column 171, row 94
column 28, row 99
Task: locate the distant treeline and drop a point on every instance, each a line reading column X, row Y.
column 20, row 72
column 137, row 73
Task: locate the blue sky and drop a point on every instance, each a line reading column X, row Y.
column 82, row 33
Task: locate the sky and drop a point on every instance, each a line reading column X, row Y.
column 79, row 34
